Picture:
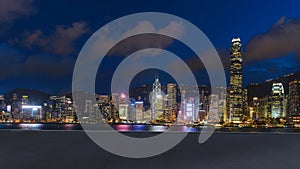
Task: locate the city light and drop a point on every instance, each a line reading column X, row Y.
column 31, row 107
column 234, row 106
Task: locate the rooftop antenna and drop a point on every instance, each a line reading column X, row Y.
column 156, row 76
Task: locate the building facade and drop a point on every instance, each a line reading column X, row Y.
column 236, row 90
column 171, row 97
column 294, row 98
column 139, row 111
column 277, row 101
column 157, row 101
column 123, row 107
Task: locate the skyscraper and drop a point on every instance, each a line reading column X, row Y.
column 245, row 105
column 2, row 103
column 277, row 101
column 171, row 101
column 214, row 115
column 236, row 91
column 255, row 114
column 189, row 110
column 171, row 88
column 123, row 107
column 294, row 98
column 157, row 101
column 24, row 99
column 139, row 111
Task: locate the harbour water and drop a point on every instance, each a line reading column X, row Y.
column 142, row 128
column 52, row 146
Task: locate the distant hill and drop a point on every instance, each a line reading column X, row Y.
column 254, row 90
column 34, row 96
column 264, row 88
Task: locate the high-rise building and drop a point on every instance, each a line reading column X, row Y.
column 222, row 104
column 203, row 100
column 277, row 101
column 214, row 113
column 139, row 111
column 15, row 107
column 294, row 98
column 60, row 107
column 171, row 107
column 2, row 103
column 123, row 107
column 114, row 105
column 171, row 89
column 15, row 97
column 255, row 114
column 264, row 107
column 24, row 99
column 102, row 99
column 31, row 112
column 131, row 110
column 236, row 90
column 3, row 109
column 157, row 104
column 245, row 105
column 88, row 107
column 115, row 99
column 190, row 110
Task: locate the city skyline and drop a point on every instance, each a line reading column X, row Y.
column 149, row 84
column 30, row 60
column 276, row 105
column 238, row 60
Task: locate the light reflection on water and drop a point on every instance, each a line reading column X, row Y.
column 30, row 126
column 122, row 127
column 139, row 127
column 158, row 128
column 118, row 127
column 143, row 128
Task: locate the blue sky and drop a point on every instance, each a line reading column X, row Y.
column 40, row 39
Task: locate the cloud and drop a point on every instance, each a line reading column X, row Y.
column 48, row 65
column 12, row 9
column 196, row 64
column 15, row 64
column 269, row 69
column 11, row 59
column 60, row 42
column 130, row 44
column 282, row 39
column 223, row 54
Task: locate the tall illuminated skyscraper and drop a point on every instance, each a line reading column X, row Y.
column 277, row 101
column 236, row 90
column 157, row 101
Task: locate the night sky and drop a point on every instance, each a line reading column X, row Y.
column 40, row 39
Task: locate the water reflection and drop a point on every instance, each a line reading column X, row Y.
column 31, row 126
column 122, row 127
column 139, row 128
column 158, row 128
column 143, row 128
